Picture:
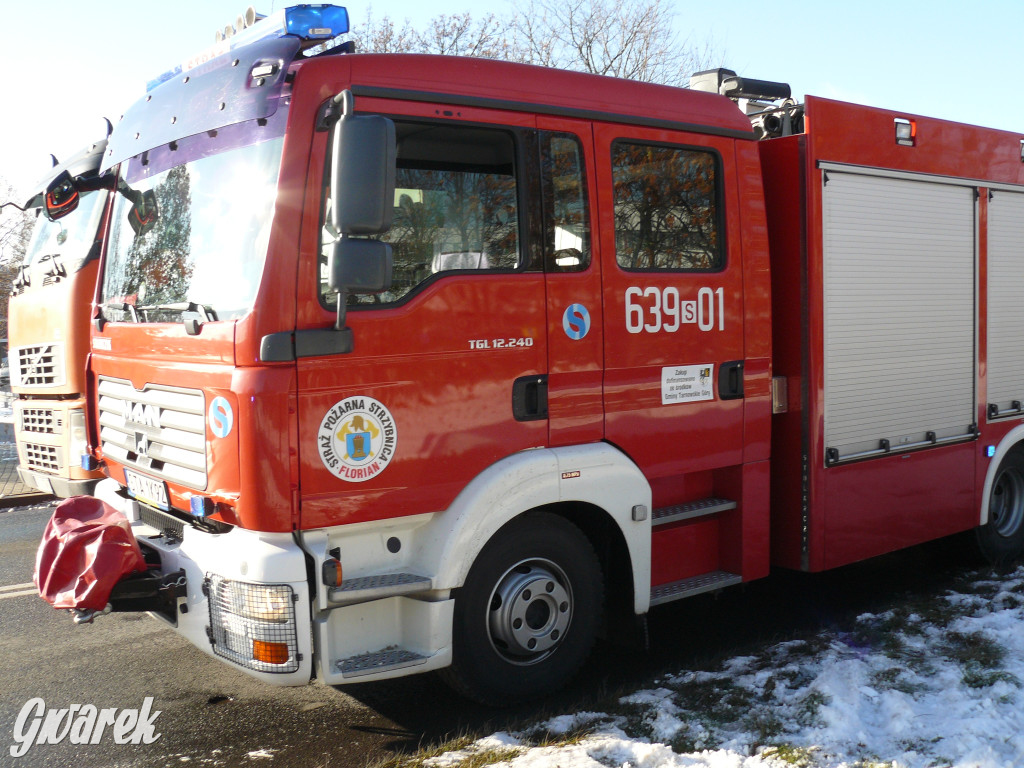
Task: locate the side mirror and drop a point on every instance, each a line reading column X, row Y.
column 359, row 266
column 143, row 214
column 61, row 196
column 362, row 171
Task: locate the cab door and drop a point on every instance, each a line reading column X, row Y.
column 673, row 300
column 425, row 400
column 573, row 282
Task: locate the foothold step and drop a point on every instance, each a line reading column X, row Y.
column 690, row 510
column 381, row 661
column 367, row 588
column 696, row 585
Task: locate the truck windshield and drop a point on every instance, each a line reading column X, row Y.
column 205, row 228
column 67, row 241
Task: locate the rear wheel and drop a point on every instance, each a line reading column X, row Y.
column 1001, row 540
column 526, row 619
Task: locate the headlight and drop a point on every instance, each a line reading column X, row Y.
column 253, row 624
column 78, row 444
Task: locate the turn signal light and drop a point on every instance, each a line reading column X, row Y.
column 331, row 572
column 270, row 653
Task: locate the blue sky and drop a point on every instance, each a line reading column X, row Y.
column 945, row 58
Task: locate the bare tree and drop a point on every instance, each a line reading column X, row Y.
column 15, row 233
column 458, row 34
column 383, row 36
column 633, row 39
column 15, row 225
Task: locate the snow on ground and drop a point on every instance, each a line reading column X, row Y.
column 933, row 683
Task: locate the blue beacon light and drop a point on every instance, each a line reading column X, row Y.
column 307, row 22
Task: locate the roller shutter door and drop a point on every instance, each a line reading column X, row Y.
column 1005, row 302
column 899, row 313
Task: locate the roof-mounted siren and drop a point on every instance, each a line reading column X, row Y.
column 769, row 105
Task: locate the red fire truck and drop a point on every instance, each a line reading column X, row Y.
column 406, row 363
column 48, row 318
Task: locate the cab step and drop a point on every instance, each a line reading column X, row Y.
column 380, row 661
column 368, row 588
column 695, row 585
column 690, row 510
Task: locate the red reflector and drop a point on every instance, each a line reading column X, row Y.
column 270, row 653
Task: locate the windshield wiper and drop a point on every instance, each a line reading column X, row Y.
column 206, row 309
column 182, row 306
column 192, row 313
column 123, row 306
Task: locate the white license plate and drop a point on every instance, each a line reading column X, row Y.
column 147, row 490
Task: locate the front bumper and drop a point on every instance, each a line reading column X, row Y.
column 246, row 598
column 56, row 486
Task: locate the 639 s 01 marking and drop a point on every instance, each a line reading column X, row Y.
column 653, row 310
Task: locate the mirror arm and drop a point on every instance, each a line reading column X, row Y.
column 339, row 323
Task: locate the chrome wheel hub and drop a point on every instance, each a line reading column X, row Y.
column 530, row 611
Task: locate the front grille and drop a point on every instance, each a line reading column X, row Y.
column 45, row 458
column 39, row 366
column 41, row 421
column 159, row 430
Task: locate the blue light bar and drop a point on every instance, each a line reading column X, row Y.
column 306, row 22
column 316, row 22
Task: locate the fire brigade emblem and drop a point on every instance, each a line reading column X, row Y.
column 357, row 439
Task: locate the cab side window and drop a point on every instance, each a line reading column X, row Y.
column 566, row 218
column 667, row 209
column 456, row 207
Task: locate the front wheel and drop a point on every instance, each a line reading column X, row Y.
column 1001, row 540
column 526, row 619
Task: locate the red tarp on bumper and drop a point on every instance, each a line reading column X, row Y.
column 87, row 548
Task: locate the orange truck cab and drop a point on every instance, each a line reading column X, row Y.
column 48, row 321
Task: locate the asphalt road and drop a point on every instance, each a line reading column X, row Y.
column 212, row 715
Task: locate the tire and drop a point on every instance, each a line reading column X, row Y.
column 1001, row 539
column 526, row 619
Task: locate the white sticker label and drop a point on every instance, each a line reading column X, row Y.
column 357, row 439
column 687, row 383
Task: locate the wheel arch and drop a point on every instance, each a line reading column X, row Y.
column 1013, row 439
column 595, row 487
column 613, row 553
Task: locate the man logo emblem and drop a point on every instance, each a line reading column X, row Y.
column 141, row 414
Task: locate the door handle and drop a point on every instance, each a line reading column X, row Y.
column 530, row 398
column 730, row 380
